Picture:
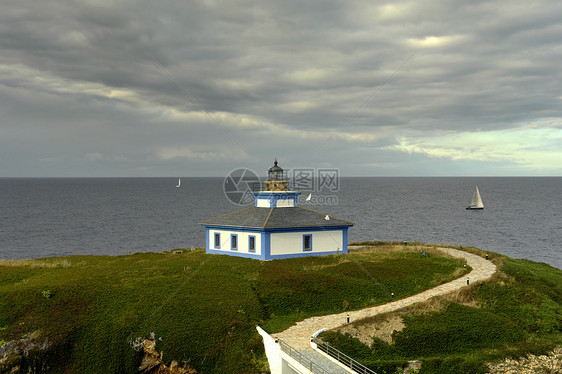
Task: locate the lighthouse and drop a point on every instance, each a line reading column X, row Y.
column 276, row 227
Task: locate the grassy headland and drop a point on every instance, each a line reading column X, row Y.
column 517, row 312
column 83, row 313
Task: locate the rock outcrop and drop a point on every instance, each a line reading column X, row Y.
column 30, row 354
column 549, row 364
column 152, row 362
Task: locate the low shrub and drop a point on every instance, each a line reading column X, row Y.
column 452, row 365
column 457, row 329
column 386, row 366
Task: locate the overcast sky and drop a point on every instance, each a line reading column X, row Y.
column 198, row 88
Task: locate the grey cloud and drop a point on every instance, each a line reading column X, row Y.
column 303, row 70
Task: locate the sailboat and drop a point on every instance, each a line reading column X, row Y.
column 476, row 202
column 179, row 183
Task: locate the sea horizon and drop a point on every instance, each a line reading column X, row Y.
column 60, row 216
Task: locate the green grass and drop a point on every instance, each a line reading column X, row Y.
column 516, row 313
column 203, row 309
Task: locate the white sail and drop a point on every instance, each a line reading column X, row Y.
column 476, row 202
column 179, row 183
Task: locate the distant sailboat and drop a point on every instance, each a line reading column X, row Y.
column 476, row 202
column 179, row 183
column 309, row 197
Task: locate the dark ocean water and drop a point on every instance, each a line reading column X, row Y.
column 111, row 216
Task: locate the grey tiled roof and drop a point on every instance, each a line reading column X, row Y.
column 276, row 218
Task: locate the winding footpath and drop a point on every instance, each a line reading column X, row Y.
column 298, row 336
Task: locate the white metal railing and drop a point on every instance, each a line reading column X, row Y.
column 342, row 357
column 301, row 359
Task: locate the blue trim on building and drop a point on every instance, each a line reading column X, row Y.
column 344, row 240
column 301, row 254
column 250, row 238
column 278, row 194
column 234, row 228
column 233, row 242
column 236, row 253
column 273, row 197
column 217, row 238
column 266, row 244
column 305, row 247
column 262, row 241
column 291, row 229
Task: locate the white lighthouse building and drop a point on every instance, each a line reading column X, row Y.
column 276, row 227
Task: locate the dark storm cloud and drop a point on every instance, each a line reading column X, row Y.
column 158, row 87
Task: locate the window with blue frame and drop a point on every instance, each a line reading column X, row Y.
column 234, row 242
column 251, row 243
column 217, row 240
column 307, row 242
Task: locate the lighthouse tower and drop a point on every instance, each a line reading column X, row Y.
column 276, row 194
column 276, row 227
